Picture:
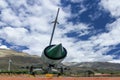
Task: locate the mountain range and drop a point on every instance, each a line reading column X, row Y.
column 20, row 59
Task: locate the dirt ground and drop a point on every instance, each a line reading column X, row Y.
column 29, row 77
column 60, row 78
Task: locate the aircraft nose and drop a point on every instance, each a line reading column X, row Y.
column 56, row 52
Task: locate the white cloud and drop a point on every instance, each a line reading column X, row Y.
column 3, row 47
column 115, row 61
column 9, row 17
column 113, row 6
column 3, row 4
column 14, row 35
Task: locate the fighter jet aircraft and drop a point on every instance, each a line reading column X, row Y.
column 52, row 55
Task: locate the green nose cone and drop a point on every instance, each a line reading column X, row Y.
column 56, row 51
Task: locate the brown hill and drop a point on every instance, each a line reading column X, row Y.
column 19, row 59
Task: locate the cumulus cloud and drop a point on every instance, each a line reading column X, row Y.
column 113, row 6
column 115, row 61
column 3, row 47
column 28, row 23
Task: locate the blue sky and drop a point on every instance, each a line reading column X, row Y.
column 88, row 29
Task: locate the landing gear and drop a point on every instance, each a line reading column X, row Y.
column 31, row 71
column 61, row 71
